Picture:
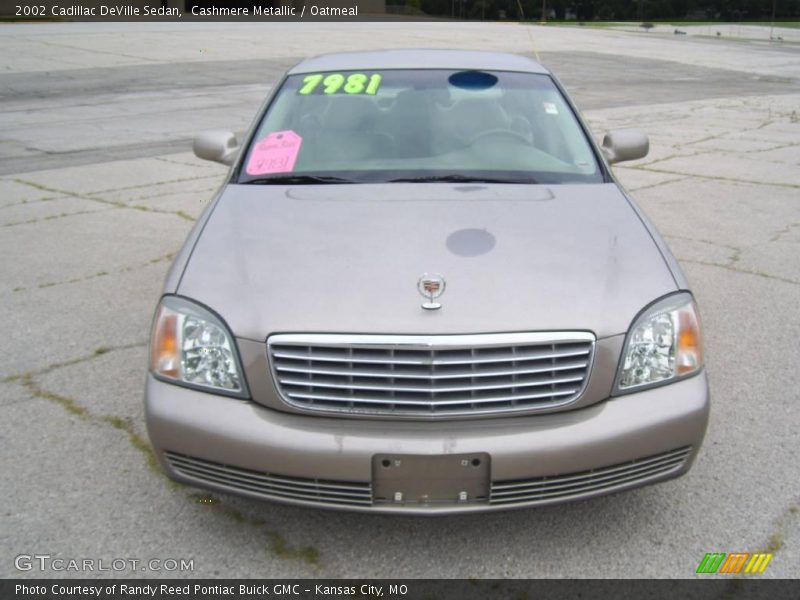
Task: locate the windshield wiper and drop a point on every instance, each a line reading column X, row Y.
column 289, row 179
column 297, row 180
column 458, row 178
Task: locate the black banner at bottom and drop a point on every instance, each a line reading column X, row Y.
column 397, row 589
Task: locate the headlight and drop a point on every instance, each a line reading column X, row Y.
column 663, row 345
column 192, row 346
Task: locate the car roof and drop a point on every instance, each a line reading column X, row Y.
column 418, row 59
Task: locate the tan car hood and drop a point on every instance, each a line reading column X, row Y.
column 347, row 258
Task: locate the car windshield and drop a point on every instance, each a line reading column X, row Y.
column 419, row 125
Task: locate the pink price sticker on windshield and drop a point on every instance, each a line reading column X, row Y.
column 276, row 153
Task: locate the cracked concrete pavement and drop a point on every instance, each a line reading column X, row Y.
column 98, row 191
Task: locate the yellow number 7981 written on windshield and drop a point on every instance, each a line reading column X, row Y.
column 356, row 83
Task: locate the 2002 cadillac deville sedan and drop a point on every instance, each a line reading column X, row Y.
column 421, row 290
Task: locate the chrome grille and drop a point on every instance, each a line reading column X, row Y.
column 577, row 485
column 431, row 376
column 269, row 484
column 534, row 491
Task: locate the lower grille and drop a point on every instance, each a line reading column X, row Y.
column 271, row 485
column 538, row 490
column 575, row 485
column 431, row 376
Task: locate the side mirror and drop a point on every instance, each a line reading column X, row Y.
column 216, row 144
column 625, row 144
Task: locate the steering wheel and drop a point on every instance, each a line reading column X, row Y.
column 500, row 132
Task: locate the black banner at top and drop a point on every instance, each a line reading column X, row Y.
column 207, row 10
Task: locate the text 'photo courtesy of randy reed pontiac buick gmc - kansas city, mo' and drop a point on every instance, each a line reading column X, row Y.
column 421, row 290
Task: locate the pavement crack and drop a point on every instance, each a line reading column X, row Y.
column 150, row 209
column 166, row 257
column 777, row 536
column 95, row 50
column 735, row 252
column 146, row 185
column 730, row 267
column 280, row 548
column 53, row 217
column 28, row 382
column 175, row 161
column 784, row 231
column 705, row 139
column 793, row 186
column 99, row 351
column 676, row 154
column 26, row 202
column 277, row 545
column 204, row 191
column 125, row 424
column 659, row 184
column 771, row 148
column 94, row 197
column 45, row 188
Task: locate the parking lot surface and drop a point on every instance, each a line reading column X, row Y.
column 98, row 189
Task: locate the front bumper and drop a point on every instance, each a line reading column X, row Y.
column 241, row 447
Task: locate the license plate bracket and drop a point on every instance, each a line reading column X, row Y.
column 430, row 479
